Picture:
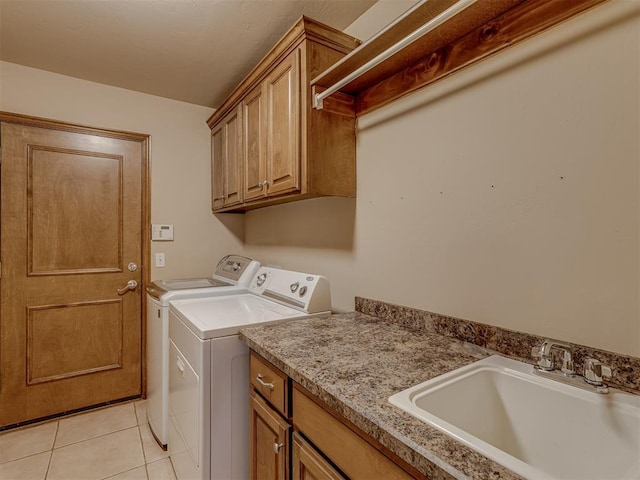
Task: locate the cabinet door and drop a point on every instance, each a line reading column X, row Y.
column 217, row 167
column 226, row 164
column 269, row 439
column 233, row 157
column 283, row 126
column 254, row 137
column 309, row 464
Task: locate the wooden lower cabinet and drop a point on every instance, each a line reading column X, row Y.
column 269, row 440
column 308, row 464
column 296, row 436
column 350, row 451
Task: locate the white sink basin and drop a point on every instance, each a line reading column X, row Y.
column 536, row 427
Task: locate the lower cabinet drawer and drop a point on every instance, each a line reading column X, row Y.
column 351, row 453
column 270, row 382
column 309, row 464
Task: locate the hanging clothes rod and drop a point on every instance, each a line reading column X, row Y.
column 436, row 21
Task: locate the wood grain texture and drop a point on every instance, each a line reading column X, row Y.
column 329, row 139
column 20, row 400
column 78, row 208
column 278, row 396
column 217, row 166
column 303, row 28
column 254, row 139
column 301, row 152
column 233, row 164
column 266, row 429
column 465, row 21
column 27, row 120
column 307, row 464
column 338, row 103
column 517, row 24
column 283, row 126
column 352, row 453
column 226, row 161
column 53, row 352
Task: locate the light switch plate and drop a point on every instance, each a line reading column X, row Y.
column 160, row 259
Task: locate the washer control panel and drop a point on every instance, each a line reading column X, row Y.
column 309, row 293
column 236, row 270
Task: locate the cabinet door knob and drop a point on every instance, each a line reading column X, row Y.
column 263, row 184
column 277, row 446
column 220, row 198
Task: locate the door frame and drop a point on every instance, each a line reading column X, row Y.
column 144, row 139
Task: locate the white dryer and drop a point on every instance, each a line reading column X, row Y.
column 209, row 371
column 232, row 275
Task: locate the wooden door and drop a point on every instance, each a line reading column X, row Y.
column 254, row 136
column 226, row 165
column 283, row 126
column 269, row 442
column 72, row 215
column 309, row 464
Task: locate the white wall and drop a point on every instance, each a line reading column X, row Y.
column 180, row 153
column 507, row 194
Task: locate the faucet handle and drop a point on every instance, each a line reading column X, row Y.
column 595, row 370
column 545, row 362
column 567, row 364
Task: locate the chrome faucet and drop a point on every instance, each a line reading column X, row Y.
column 594, row 370
column 545, row 359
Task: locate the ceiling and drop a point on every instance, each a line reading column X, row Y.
column 190, row 50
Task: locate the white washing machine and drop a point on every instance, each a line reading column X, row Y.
column 232, row 275
column 209, row 369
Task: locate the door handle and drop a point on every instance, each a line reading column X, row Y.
column 131, row 285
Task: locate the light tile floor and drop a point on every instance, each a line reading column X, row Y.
column 112, row 443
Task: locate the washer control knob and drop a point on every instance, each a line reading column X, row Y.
column 294, row 287
column 260, row 279
column 303, row 290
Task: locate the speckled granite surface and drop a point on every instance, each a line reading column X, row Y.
column 625, row 369
column 354, row 362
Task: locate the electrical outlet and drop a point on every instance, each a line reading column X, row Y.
column 160, row 259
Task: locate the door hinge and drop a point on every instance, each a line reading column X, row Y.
column 0, row 269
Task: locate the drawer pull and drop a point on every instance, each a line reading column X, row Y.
column 276, row 447
column 264, row 384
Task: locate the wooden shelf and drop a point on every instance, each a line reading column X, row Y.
column 481, row 30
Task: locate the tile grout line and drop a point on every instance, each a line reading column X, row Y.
column 144, row 454
column 97, row 436
column 55, row 436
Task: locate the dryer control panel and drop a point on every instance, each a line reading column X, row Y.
column 304, row 291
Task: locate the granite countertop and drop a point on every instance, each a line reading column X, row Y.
column 354, row 362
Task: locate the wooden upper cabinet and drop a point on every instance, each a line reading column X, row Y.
column 226, row 161
column 289, row 151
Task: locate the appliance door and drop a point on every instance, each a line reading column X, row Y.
column 189, row 402
column 229, row 409
column 158, row 369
